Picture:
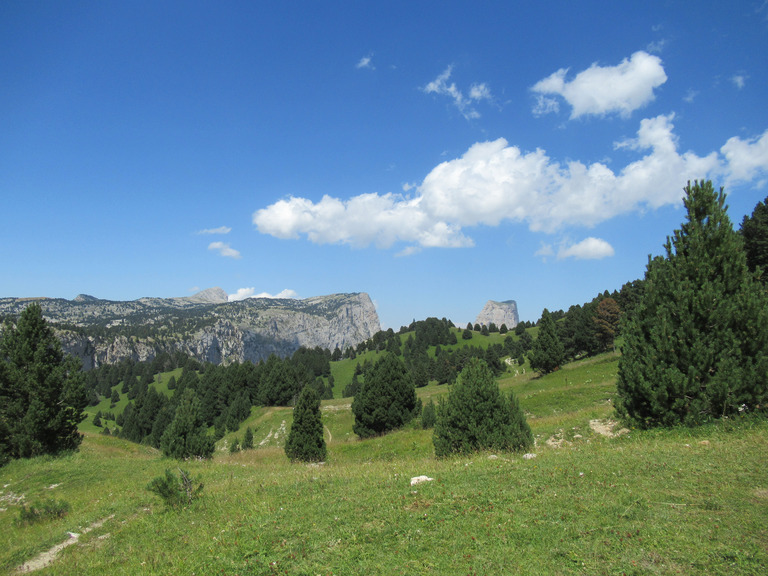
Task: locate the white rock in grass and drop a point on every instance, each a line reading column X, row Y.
column 529, row 456
column 419, row 479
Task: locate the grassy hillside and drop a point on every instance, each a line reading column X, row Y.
column 662, row 502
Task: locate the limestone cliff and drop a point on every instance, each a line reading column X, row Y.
column 205, row 326
column 499, row 313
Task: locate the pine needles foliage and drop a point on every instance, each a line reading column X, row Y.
column 696, row 346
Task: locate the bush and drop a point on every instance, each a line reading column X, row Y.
column 175, row 491
column 476, row 416
column 48, row 509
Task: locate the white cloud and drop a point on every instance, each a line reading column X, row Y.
column 690, row 96
column 602, row 90
column 747, row 159
column 465, row 104
column 224, row 250
column 219, row 230
column 588, row 249
column 739, row 80
column 366, row 62
column 243, row 293
column 494, row 182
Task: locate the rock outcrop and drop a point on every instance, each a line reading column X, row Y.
column 499, row 313
column 205, row 326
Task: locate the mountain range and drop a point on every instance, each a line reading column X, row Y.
column 206, row 325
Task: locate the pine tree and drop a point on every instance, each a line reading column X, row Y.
column 696, row 345
column 42, row 395
column 548, row 352
column 248, row 439
column 607, row 318
column 754, row 229
column 386, row 400
column 305, row 441
column 186, row 436
column 476, row 416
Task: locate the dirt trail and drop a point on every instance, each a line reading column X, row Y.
column 47, row 557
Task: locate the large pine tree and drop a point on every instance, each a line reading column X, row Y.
column 696, row 345
column 42, row 396
column 305, row 440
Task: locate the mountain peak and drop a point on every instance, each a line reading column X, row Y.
column 212, row 295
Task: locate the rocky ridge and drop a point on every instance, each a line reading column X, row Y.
column 205, row 326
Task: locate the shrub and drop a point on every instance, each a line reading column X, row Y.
column 175, row 491
column 476, row 416
column 48, row 509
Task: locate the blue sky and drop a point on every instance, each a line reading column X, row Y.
column 433, row 154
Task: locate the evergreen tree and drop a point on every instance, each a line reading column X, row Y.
column 548, row 352
column 305, row 441
column 696, row 345
column 248, row 439
column 754, row 229
column 607, row 318
column 476, row 416
column 42, row 393
column 428, row 415
column 386, row 400
column 186, row 436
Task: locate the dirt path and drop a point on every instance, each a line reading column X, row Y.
column 48, row 557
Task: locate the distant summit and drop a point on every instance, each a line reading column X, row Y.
column 499, row 313
column 85, row 298
column 211, row 295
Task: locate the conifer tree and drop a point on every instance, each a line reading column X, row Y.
column 754, row 230
column 386, row 400
column 186, row 436
column 305, row 441
column 42, row 395
column 696, row 343
column 476, row 416
column 248, row 439
column 548, row 352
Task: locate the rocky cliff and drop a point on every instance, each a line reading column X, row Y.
column 499, row 313
column 205, row 326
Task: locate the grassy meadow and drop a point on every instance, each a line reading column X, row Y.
column 682, row 501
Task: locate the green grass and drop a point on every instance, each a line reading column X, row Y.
column 681, row 501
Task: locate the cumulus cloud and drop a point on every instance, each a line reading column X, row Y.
column 495, row 182
column 243, row 293
column 224, row 250
column 602, row 90
column 747, row 159
column 588, row 249
column 219, row 230
column 465, row 104
column 739, row 80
